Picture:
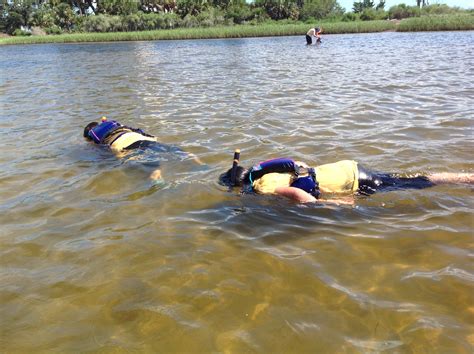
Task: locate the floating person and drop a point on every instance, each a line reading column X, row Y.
column 313, row 32
column 121, row 138
column 302, row 183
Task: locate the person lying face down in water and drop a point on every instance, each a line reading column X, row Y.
column 121, row 138
column 299, row 182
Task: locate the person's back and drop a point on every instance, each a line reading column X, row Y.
column 115, row 135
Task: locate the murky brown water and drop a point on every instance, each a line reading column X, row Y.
column 94, row 258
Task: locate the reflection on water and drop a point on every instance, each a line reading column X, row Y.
column 94, row 257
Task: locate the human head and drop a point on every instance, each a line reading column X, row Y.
column 241, row 177
column 88, row 128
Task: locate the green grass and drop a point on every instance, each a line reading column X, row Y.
column 437, row 23
column 263, row 30
column 454, row 22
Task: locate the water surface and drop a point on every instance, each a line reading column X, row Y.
column 93, row 257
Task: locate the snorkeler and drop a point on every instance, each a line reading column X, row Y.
column 313, row 32
column 299, row 182
column 122, row 138
column 119, row 137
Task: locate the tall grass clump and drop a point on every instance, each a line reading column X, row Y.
column 359, row 27
column 237, row 31
column 462, row 22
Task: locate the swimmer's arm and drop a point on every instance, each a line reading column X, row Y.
column 295, row 194
column 301, row 196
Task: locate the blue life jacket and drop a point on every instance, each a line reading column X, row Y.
column 285, row 165
column 308, row 184
column 100, row 131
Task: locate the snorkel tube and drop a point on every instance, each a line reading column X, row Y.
column 235, row 164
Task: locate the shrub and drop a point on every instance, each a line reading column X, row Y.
column 96, row 23
column 53, row 30
column 370, row 14
column 239, row 13
column 189, row 21
column 403, row 11
column 20, row 32
column 118, row 7
column 439, row 9
column 349, row 17
column 211, row 17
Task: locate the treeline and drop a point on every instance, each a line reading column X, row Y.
column 59, row 16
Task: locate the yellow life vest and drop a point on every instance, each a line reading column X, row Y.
column 271, row 181
column 128, row 139
column 338, row 177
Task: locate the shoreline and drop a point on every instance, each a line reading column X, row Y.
column 422, row 24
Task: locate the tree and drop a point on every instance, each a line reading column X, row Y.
column 157, row 6
column 117, row 7
column 359, row 7
column 320, row 9
column 22, row 7
column 191, row 7
column 279, row 9
column 422, row 3
column 82, row 6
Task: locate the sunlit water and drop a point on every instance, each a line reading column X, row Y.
column 93, row 257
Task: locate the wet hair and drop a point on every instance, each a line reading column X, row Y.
column 242, row 177
column 88, row 128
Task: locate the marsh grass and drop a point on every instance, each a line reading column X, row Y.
column 437, row 23
column 454, row 22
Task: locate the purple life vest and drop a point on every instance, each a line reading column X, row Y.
column 100, row 131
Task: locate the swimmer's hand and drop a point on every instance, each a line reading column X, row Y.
column 349, row 200
column 301, row 164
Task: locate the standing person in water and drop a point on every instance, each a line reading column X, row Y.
column 313, row 32
column 121, row 138
column 299, row 182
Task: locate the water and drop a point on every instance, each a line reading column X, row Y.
column 95, row 258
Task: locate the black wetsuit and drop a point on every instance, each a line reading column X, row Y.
column 371, row 182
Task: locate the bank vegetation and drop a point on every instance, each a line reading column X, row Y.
column 42, row 21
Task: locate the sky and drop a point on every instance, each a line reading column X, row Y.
column 465, row 4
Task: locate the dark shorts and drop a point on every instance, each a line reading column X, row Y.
column 308, row 39
column 141, row 144
column 371, row 182
column 152, row 153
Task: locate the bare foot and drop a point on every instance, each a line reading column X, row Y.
column 156, row 175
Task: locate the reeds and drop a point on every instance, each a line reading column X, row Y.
column 432, row 23
column 461, row 22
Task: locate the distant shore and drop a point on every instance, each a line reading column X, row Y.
column 415, row 24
